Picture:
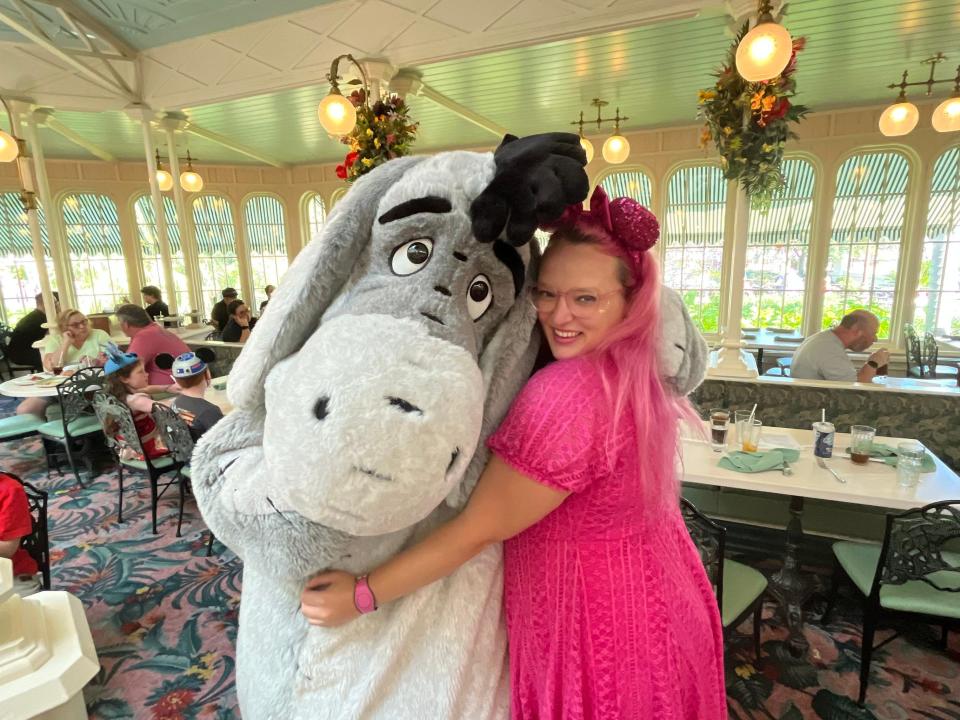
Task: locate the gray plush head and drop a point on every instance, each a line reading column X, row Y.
column 683, row 351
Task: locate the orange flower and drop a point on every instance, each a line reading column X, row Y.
column 757, row 100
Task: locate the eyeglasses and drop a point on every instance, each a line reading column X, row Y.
column 582, row 302
column 78, row 323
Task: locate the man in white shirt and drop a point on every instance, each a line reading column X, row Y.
column 824, row 356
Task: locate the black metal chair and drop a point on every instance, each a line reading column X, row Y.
column 120, row 430
column 739, row 588
column 915, row 572
column 213, row 335
column 73, row 434
column 37, row 543
column 176, row 436
column 6, row 332
column 922, row 355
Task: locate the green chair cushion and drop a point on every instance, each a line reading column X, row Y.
column 83, row 425
column 741, row 586
column 17, row 425
column 859, row 561
column 160, row 462
column 185, row 471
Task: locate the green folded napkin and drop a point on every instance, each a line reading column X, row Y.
column 754, row 462
column 889, row 455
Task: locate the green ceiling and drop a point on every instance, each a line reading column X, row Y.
column 854, row 50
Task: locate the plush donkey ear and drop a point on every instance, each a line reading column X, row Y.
column 205, row 354
column 164, row 361
column 506, row 363
column 683, row 351
column 311, row 283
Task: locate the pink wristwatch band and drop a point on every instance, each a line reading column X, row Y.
column 363, row 597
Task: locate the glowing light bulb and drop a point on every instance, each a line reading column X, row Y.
column 899, row 119
column 337, row 114
column 9, row 150
column 764, row 52
column 616, row 149
column 164, row 180
column 946, row 118
column 191, row 181
column 587, row 148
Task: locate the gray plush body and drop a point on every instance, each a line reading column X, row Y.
column 363, row 401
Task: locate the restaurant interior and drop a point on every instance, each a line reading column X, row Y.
column 179, row 156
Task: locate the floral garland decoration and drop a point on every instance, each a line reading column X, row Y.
column 750, row 124
column 383, row 132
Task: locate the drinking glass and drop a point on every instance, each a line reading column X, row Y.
column 861, row 443
column 719, row 424
column 740, row 418
column 750, row 439
column 909, row 463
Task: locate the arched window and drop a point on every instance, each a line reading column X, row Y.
column 629, row 183
column 150, row 249
column 867, row 230
column 216, row 248
column 937, row 306
column 267, row 242
column 693, row 240
column 19, row 281
column 314, row 215
column 337, row 196
column 777, row 247
column 96, row 253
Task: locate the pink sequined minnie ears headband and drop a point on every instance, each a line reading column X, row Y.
column 632, row 227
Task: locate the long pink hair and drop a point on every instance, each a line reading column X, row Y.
column 627, row 361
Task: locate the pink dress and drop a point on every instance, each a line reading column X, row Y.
column 610, row 614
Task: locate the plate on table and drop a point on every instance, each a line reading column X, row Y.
column 769, row 441
column 31, row 380
column 50, row 381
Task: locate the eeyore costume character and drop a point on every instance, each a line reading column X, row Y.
column 391, row 351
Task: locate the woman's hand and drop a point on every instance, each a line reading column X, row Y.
column 327, row 600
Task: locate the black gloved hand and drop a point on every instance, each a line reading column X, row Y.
column 536, row 178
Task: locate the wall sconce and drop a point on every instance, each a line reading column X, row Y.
column 764, row 52
column 164, row 179
column 190, row 180
column 902, row 116
column 616, row 148
column 336, row 113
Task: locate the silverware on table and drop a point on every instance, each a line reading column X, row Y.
column 823, row 463
column 787, row 470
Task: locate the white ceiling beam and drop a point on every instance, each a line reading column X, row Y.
column 96, row 27
column 35, row 34
column 226, row 142
column 410, row 81
column 44, row 118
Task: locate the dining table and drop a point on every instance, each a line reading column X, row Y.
column 780, row 340
column 873, row 484
column 33, row 385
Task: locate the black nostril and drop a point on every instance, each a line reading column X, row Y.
column 404, row 405
column 321, row 409
column 442, row 290
column 453, row 459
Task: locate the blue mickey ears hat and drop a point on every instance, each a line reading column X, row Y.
column 186, row 365
column 117, row 359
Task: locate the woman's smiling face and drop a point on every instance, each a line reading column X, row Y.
column 579, row 297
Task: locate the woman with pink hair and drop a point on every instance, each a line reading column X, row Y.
column 609, row 611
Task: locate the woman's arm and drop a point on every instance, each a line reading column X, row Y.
column 504, row 503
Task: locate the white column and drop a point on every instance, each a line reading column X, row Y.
column 163, row 239
column 58, row 247
column 29, row 198
column 184, row 219
column 911, row 250
column 731, row 361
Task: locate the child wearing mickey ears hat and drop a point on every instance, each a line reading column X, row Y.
column 126, row 379
column 192, row 376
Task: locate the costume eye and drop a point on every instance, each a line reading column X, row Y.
column 411, row 256
column 479, row 296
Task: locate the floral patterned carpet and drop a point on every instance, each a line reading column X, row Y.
column 164, row 616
